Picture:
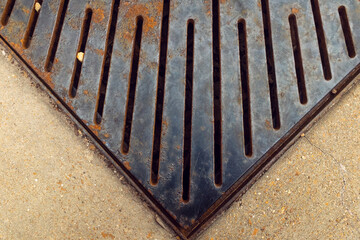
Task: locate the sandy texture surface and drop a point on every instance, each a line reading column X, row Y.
column 54, row 184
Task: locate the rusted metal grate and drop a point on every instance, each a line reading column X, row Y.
column 190, row 98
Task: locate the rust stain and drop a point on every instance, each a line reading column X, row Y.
column 100, row 52
column 149, row 11
column 74, row 23
column 98, row 15
column 48, row 80
column 127, row 165
column 106, row 135
column 165, row 123
column 25, row 10
column 268, row 124
column 295, row 10
column 95, row 129
column 86, row 92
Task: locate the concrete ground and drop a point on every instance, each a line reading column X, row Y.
column 55, row 185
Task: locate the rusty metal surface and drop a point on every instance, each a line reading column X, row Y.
column 205, row 197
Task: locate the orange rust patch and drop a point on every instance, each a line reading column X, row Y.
column 268, row 124
column 98, row 15
column 48, row 80
column 147, row 10
column 86, row 92
column 127, row 165
column 106, row 135
column 294, row 10
column 25, row 10
column 100, row 52
column 165, row 123
column 95, row 129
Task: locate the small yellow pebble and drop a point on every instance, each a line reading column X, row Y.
column 302, row 135
column 37, row 6
column 80, row 56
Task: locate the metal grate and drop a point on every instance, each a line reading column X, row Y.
column 190, row 98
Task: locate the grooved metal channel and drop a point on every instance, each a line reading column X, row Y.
column 192, row 99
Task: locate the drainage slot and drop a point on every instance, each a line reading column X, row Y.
column 244, row 70
column 109, row 45
column 160, row 93
column 132, row 87
column 321, row 39
column 56, row 35
column 32, row 23
column 188, row 110
column 270, row 64
column 298, row 59
column 347, row 32
column 7, row 12
column 217, row 92
column 80, row 53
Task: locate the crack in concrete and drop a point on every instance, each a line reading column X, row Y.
column 343, row 189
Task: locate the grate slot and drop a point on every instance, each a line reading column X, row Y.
column 133, row 79
column 188, row 109
column 271, row 65
column 160, row 93
column 31, row 24
column 321, row 39
column 81, row 49
column 298, row 59
column 347, row 32
column 7, row 12
column 217, row 92
column 107, row 61
column 56, row 35
column 244, row 69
